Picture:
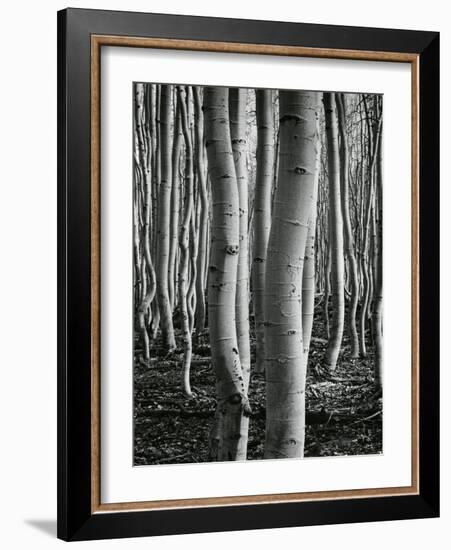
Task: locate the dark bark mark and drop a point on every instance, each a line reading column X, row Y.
column 232, row 249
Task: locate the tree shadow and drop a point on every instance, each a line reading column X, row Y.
column 47, row 526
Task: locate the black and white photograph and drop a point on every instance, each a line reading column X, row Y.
column 257, row 273
column 226, row 222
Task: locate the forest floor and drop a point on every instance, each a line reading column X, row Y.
column 344, row 410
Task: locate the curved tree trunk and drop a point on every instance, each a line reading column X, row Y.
column 373, row 146
column 164, row 208
column 237, row 102
column 194, row 228
column 308, row 274
column 348, row 236
column 203, row 220
column 262, row 213
column 156, row 179
column 193, row 253
column 136, row 239
column 335, row 234
column 184, row 241
column 175, row 207
column 144, row 156
column 285, row 365
column 228, row 440
column 327, row 262
column 378, row 294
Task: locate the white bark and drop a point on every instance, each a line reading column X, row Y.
column 164, row 206
column 237, row 102
column 184, row 242
column 335, row 234
column 228, row 439
column 285, row 364
column 262, row 214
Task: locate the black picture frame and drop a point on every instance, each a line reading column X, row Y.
column 76, row 521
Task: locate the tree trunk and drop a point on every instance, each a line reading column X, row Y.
column 144, row 158
column 308, row 274
column 164, row 210
column 327, row 262
column 262, row 214
column 373, row 145
column 348, row 236
column 175, row 207
column 228, row 440
column 203, row 221
column 335, row 234
column 184, row 242
column 285, row 365
column 238, row 100
column 378, row 294
column 156, row 179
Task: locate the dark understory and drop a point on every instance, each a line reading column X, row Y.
column 344, row 411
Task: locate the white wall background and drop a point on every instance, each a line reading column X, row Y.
column 28, row 272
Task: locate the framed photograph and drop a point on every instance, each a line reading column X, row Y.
column 248, row 274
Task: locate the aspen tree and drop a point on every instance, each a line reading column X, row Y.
column 193, row 253
column 203, row 219
column 262, row 213
column 378, row 294
column 184, row 241
column 175, row 206
column 136, row 236
column 152, row 115
column 373, row 145
column 348, row 236
column 156, row 180
column 285, row 362
column 335, row 234
column 228, row 440
column 194, row 226
column 237, row 108
column 164, row 207
column 144, row 177
column 308, row 274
